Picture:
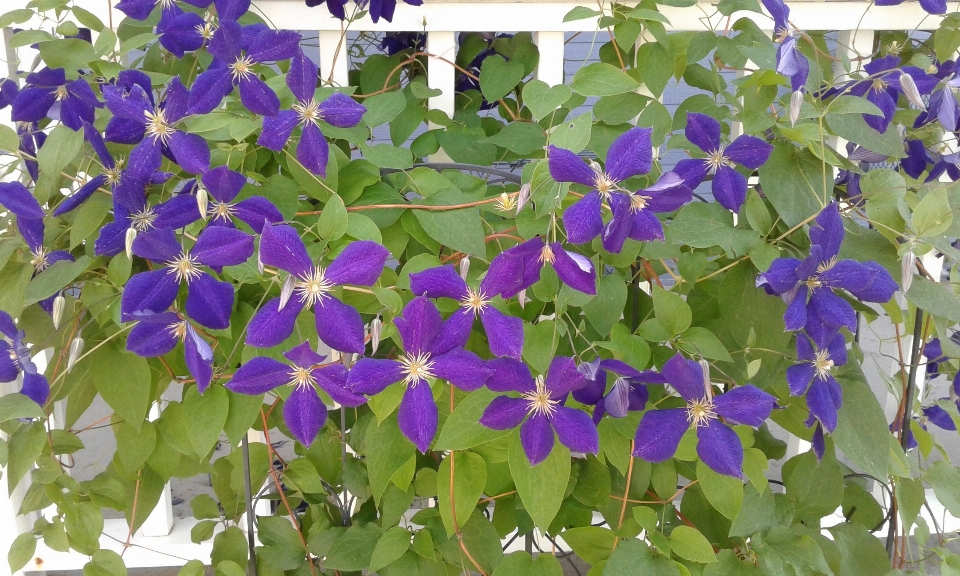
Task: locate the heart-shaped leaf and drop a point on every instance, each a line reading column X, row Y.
column 498, row 77
column 542, row 99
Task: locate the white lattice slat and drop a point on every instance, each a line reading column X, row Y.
column 550, row 67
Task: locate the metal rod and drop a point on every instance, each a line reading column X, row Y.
column 248, row 495
column 506, row 175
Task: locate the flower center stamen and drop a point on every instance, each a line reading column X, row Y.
column 416, row 369
column 178, row 330
column 604, row 184
column 206, row 30
column 221, row 210
column 878, row 85
column 474, row 300
column 506, row 202
column 822, row 364
column 301, row 377
column 113, row 174
column 716, row 159
column 39, row 260
column 546, row 254
column 185, row 267
column 158, row 126
column 309, row 112
column 638, row 202
column 241, row 68
column 539, row 399
column 143, row 220
column 700, row 412
column 61, row 92
column 313, row 286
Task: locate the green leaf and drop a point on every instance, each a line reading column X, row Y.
column 520, row 137
column 793, row 182
column 855, row 129
column 123, row 380
column 390, row 547
column 723, row 492
column 543, row 99
column 24, row 445
column 383, row 108
column 87, row 19
column 853, row 105
column 690, row 544
column 13, row 406
column 70, row 54
column 283, row 548
column 498, row 77
column 462, row 429
column 602, row 79
column 134, row 446
column 592, row 543
column 21, row 551
column 470, row 475
column 459, row 229
column 28, row 37
column 54, row 279
column 671, row 310
column 522, row 564
column 60, row 148
column 573, row 134
column 354, row 548
column 205, row 416
column 105, row 563
column 704, row 225
column 882, row 180
column 633, row 557
column 790, row 548
column 539, row 344
column 932, row 216
column 332, row 223
column 934, row 298
column 945, row 481
column 655, row 64
column 580, row 13
column 862, row 428
column 606, row 308
column 387, row 451
column 387, row 156
column 702, row 342
column 541, row 487
column 18, row 16
column 469, row 147
column 860, row 552
column 9, row 140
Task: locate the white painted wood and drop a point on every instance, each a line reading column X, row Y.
column 334, row 62
column 441, row 75
column 550, row 67
column 160, row 520
column 13, row 524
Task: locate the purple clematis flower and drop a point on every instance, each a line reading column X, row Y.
column 303, row 410
column 15, row 359
column 729, row 186
column 943, row 104
column 338, row 110
column 378, row 8
column 181, row 32
column 818, row 351
column 518, row 268
column 232, row 65
column 209, row 301
column 31, row 140
column 627, row 394
column 223, row 185
column 933, row 351
column 131, row 211
column 158, row 334
column 155, row 128
column 430, row 350
column 929, row 6
column 790, row 62
column 49, row 87
column 141, row 9
column 719, row 447
column 635, row 214
column 504, row 333
column 885, row 86
column 808, row 286
column 540, row 407
column 338, row 325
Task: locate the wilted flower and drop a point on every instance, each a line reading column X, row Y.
column 338, row 325
column 729, row 186
column 303, row 411
column 719, row 447
column 540, row 407
column 429, row 351
column 15, row 359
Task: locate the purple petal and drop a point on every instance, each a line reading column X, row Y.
column 745, row 405
column 646, row 226
column 692, row 170
column 536, row 437
column 582, row 220
column 799, row 377
column 781, row 276
column 219, row 246
column 258, row 375
column 35, row 387
column 198, row 356
column 32, row 231
column 566, row 166
column 32, row 104
column 848, row 275
column 258, row 97
column 686, row 377
column 833, row 310
column 136, row 9
column 439, row 282
column 454, row 332
column 617, row 402
column 574, row 270
column 7, row 326
column 177, row 212
column 703, row 131
column 190, row 151
column 255, row 211
column 302, row 77
column 615, row 231
column 312, row 150
column 229, row 9
column 631, row 154
column 881, row 289
column 819, row 443
column 281, row 247
column 509, row 375
column 223, row 183
column 828, row 231
column 149, row 293
column 333, row 380
column 592, row 392
column 339, row 325
column 15, row 197
column 514, row 269
column 461, row 368
column 152, row 336
column 273, row 45
column 504, row 413
column 111, row 239
column 131, row 104
column 748, row 151
column 210, row 302
column 659, row 434
column 575, row 430
column 719, row 448
column 504, row 333
column 144, row 159
column 939, row 418
column 80, row 196
column 795, row 318
column 370, row 376
column 225, row 44
column 277, row 129
column 418, row 416
column 92, row 135
column 419, row 325
column 303, row 355
column 341, row 111
column 729, row 188
column 159, row 245
column 359, row 264
column 823, row 401
column 304, row 414
column 270, row 325
column 209, row 89
column 563, row 377
column 9, row 370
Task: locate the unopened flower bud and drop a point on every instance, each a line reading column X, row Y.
column 910, row 91
column 59, row 303
column 464, row 267
column 203, row 200
column 796, row 101
column 707, row 386
column 286, row 291
column 76, row 348
column 523, row 197
column 376, row 330
column 907, row 266
column 522, row 297
column 128, row 241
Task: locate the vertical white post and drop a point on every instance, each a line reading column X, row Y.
column 441, row 75
column 13, row 524
column 550, row 67
column 334, row 61
column 160, row 520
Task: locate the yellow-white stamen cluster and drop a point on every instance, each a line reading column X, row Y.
column 61, row 92
column 822, row 364
column 242, row 68
column 313, row 286
column 113, row 174
column 178, row 330
column 539, row 400
column 301, row 377
column 143, row 220
column 308, row 112
column 814, row 281
column 158, row 126
column 221, row 210
column 716, row 159
column 185, row 267
column 546, row 254
column 39, row 260
column 638, row 202
column 416, row 368
column 700, row 412
column 474, row 300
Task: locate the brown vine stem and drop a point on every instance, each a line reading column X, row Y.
column 492, row 498
column 283, row 496
column 626, row 492
column 453, row 503
column 408, row 206
column 133, row 513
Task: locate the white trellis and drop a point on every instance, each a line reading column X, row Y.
column 441, row 20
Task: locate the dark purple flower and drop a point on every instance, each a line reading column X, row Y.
column 807, row 286
column 338, row 325
column 395, row 42
column 818, row 351
column 790, row 62
column 885, row 85
column 929, row 6
column 631, row 154
column 158, row 334
column 48, row 87
column 155, row 128
column 719, row 447
column 628, row 392
column 303, row 410
column 378, row 8
column 31, row 140
column 9, row 90
column 729, row 186
column 518, row 268
column 430, row 350
column 131, row 211
column 540, row 407
column 933, row 351
column 232, row 65
column 15, row 358
column 223, row 186
column 209, row 301
column 338, row 110
column 181, row 32
column 141, row 9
